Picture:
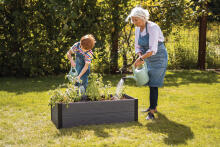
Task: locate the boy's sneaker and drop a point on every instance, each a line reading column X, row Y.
column 150, row 116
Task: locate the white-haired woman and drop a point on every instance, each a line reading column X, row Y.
column 149, row 45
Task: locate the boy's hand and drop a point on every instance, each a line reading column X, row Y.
column 78, row 79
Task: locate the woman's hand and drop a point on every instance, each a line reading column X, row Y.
column 138, row 62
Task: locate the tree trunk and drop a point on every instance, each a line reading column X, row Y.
column 114, row 40
column 114, row 53
column 125, row 59
column 125, row 62
column 202, row 42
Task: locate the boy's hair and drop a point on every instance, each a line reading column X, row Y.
column 87, row 41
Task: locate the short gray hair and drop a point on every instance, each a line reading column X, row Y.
column 139, row 12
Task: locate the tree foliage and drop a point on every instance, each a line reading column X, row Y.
column 37, row 34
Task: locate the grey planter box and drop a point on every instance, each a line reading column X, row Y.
column 95, row 112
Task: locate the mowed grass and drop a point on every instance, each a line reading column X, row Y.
column 189, row 114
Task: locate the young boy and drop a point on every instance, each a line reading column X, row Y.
column 84, row 55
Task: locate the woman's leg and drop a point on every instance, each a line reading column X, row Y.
column 153, row 102
column 153, row 97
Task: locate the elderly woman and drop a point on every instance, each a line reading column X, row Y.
column 149, row 45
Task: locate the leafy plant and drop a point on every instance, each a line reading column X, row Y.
column 107, row 90
column 67, row 93
column 92, row 90
column 96, row 89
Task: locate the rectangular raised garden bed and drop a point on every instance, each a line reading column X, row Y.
column 95, row 112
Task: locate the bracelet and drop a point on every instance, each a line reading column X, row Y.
column 141, row 59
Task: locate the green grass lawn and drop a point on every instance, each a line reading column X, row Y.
column 189, row 114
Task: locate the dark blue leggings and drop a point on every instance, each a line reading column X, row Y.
column 153, row 97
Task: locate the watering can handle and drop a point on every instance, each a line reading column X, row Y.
column 73, row 69
column 145, row 66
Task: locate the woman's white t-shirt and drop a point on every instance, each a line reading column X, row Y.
column 155, row 36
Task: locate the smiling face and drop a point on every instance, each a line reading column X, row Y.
column 138, row 21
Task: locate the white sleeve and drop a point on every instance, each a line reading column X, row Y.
column 137, row 47
column 154, row 32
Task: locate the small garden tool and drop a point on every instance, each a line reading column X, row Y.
column 140, row 75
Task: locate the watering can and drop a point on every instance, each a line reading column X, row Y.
column 140, row 75
column 72, row 74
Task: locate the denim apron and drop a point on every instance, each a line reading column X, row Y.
column 157, row 63
column 80, row 63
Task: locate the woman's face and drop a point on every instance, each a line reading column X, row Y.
column 138, row 21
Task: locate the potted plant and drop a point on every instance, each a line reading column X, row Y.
column 70, row 108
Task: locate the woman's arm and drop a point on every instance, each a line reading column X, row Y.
column 153, row 43
column 154, row 33
column 146, row 55
column 140, row 60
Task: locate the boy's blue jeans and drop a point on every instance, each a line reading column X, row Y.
column 84, row 78
column 80, row 63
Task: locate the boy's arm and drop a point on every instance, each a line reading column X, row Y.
column 84, row 70
column 70, row 58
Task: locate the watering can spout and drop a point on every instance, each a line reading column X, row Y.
column 130, row 77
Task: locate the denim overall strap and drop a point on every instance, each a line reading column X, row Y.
column 156, row 63
column 143, row 43
column 80, row 63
